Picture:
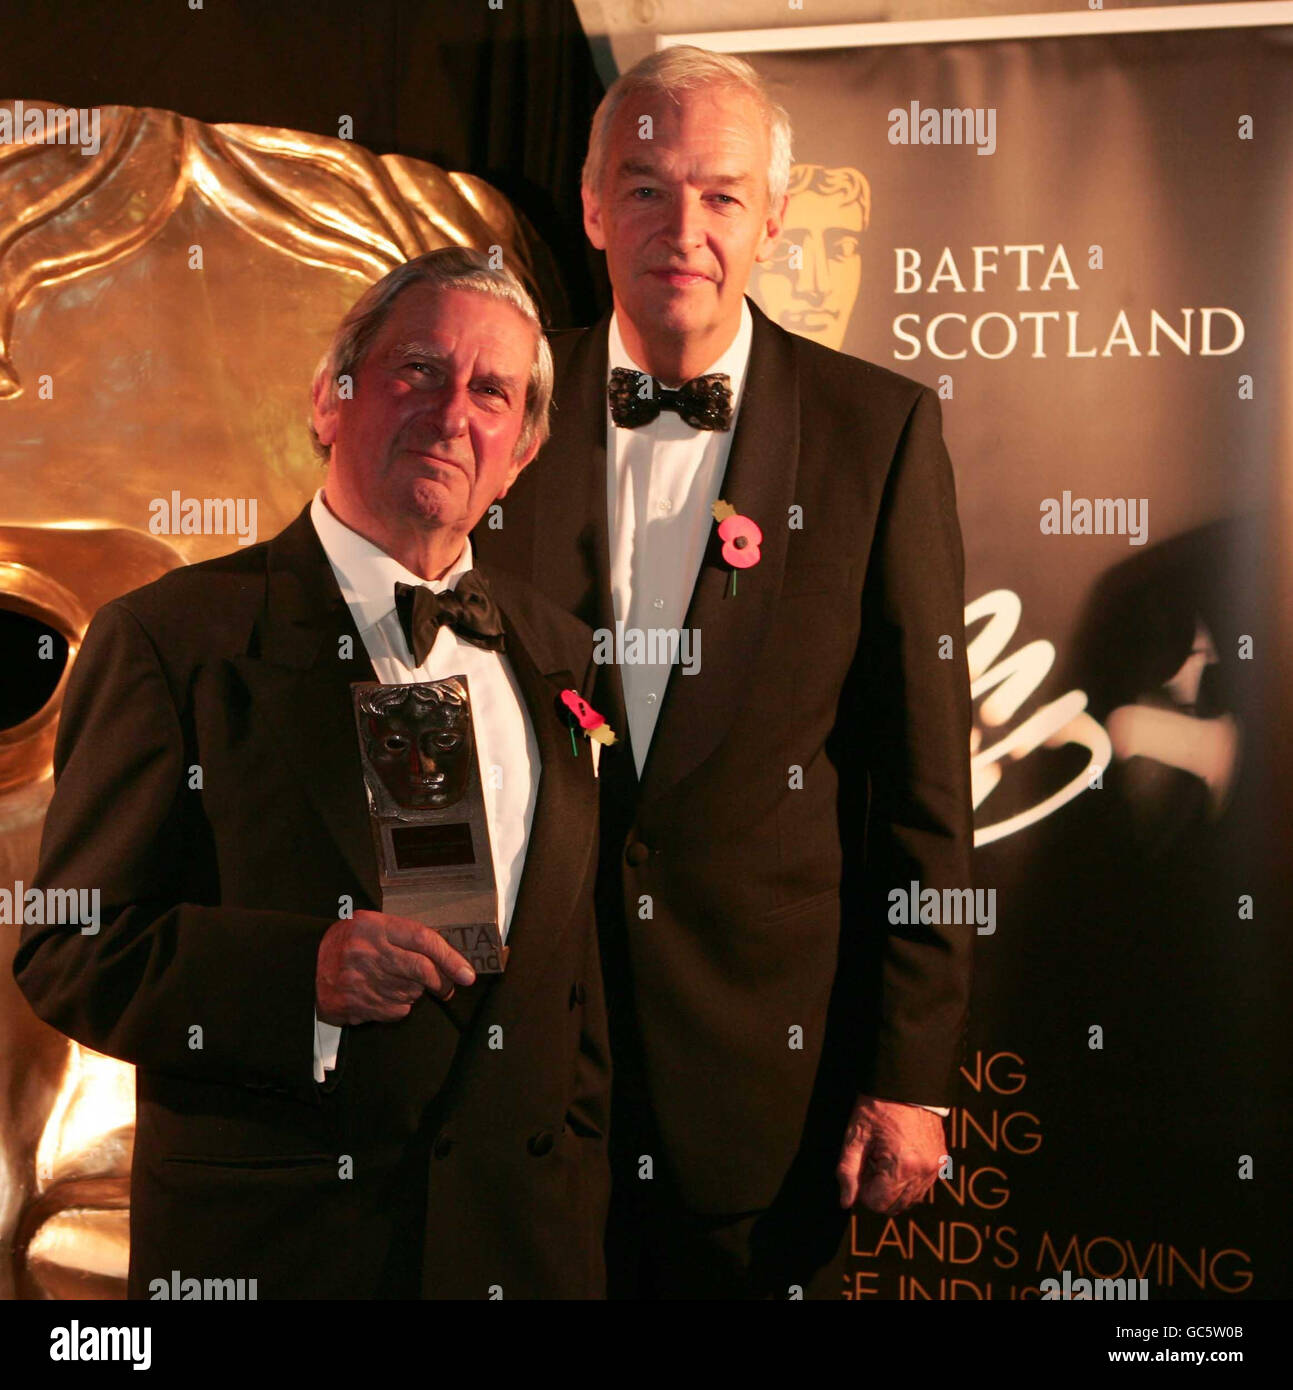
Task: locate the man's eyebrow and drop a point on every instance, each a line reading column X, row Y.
column 636, row 166
column 498, row 379
column 415, row 349
column 631, row 168
column 401, row 351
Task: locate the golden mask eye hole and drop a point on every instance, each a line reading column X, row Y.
column 41, row 623
column 43, row 619
column 35, row 655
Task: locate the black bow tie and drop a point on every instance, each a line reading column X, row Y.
column 704, row 402
column 469, row 609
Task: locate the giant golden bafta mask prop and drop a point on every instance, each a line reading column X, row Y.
column 164, row 298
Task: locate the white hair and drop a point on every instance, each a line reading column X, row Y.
column 687, row 69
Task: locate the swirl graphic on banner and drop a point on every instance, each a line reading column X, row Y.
column 1012, row 681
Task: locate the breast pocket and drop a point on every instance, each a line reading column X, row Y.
column 824, row 905
column 818, row 578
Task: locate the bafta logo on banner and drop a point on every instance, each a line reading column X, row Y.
column 810, row 284
column 426, row 806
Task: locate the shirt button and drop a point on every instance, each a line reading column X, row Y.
column 657, row 603
column 666, row 504
column 650, row 697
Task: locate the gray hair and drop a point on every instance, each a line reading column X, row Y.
column 449, row 268
column 687, row 69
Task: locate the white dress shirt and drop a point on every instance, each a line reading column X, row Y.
column 505, row 739
column 662, row 481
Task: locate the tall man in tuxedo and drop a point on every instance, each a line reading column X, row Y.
column 782, row 1050
column 447, row 1138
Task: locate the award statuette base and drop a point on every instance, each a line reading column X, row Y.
column 463, row 921
column 427, row 811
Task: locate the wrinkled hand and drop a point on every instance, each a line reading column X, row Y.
column 891, row 1155
column 373, row 967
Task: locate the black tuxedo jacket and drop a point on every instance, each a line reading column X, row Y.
column 818, row 759
column 490, row 1111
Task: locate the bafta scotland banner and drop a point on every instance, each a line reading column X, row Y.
column 1081, row 244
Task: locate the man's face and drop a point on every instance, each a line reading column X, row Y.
column 684, row 215
column 430, row 437
column 817, row 299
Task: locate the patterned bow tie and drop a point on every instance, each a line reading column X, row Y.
column 704, row 402
column 469, row 609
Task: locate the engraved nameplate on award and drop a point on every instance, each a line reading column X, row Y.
column 426, row 805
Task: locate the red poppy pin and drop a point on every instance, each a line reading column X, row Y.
column 741, row 538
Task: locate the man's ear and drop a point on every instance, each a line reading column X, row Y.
column 772, row 226
column 514, row 472
column 593, row 217
column 325, row 415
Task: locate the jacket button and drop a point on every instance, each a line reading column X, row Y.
column 540, row 1144
column 637, row 854
column 443, row 1146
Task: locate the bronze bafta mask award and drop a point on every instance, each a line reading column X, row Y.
column 427, row 809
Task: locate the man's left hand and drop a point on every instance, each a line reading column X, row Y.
column 891, row 1155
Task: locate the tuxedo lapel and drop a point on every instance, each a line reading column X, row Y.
column 759, row 483
column 299, row 671
column 572, row 536
column 562, row 829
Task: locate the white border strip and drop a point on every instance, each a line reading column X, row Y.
column 1065, row 24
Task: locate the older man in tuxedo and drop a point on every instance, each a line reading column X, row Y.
column 783, row 1051
column 330, row 1102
